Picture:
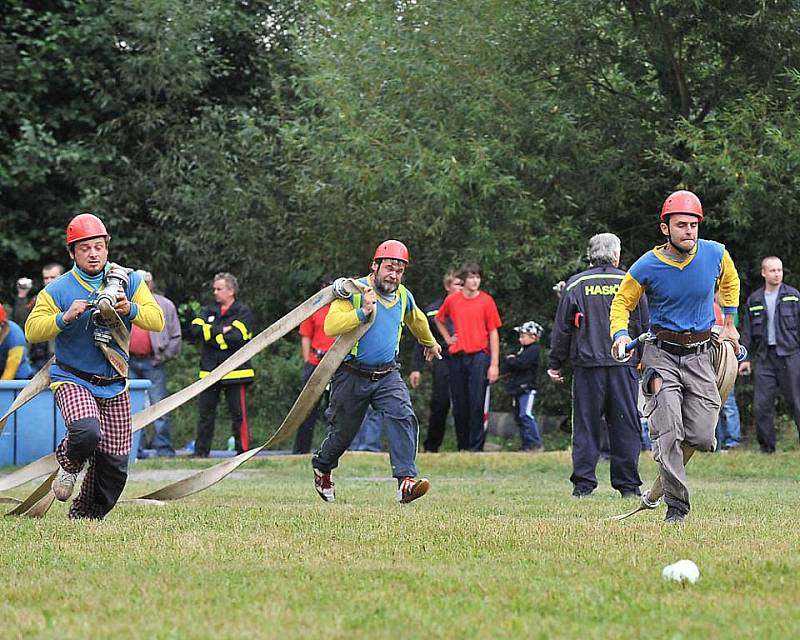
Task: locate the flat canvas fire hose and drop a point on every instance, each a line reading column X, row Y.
column 37, row 504
column 723, row 359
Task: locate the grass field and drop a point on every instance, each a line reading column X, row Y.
column 497, row 549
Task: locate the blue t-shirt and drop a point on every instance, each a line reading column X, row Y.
column 16, row 338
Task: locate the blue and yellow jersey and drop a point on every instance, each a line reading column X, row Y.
column 381, row 343
column 14, row 363
column 74, row 345
column 680, row 294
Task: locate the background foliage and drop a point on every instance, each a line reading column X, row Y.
column 284, row 139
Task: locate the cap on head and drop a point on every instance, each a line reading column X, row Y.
column 25, row 283
column 391, row 250
column 530, row 327
column 146, row 276
column 682, row 202
column 85, row 226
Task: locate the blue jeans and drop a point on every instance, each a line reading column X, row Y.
column 368, row 437
column 647, row 444
column 729, row 424
column 145, row 368
column 523, row 414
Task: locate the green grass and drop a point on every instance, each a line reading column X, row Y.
column 497, row 549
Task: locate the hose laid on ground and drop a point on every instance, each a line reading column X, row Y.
column 34, row 504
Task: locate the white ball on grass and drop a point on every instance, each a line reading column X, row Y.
column 680, row 571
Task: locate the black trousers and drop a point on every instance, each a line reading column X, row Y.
column 771, row 373
column 305, row 434
column 611, row 392
column 234, row 394
column 468, row 385
column 440, row 405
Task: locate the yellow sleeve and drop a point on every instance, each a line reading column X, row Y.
column 149, row 315
column 625, row 301
column 41, row 324
column 728, row 283
column 13, row 361
column 418, row 323
column 342, row 318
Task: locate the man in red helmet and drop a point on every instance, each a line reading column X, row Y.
column 370, row 375
column 679, row 383
column 88, row 377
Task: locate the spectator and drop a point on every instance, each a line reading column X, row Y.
column 729, row 430
column 679, row 380
column 24, row 301
column 604, row 390
column 440, row 379
column 14, row 363
column 523, row 365
column 224, row 327
column 474, row 345
column 41, row 352
column 771, row 333
column 314, row 344
column 91, row 390
column 370, row 375
column 149, row 352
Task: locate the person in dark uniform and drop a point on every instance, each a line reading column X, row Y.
column 440, row 389
column 771, row 333
column 224, row 328
column 602, row 387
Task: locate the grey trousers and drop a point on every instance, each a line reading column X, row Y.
column 683, row 412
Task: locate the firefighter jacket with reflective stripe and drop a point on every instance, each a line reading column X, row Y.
column 581, row 328
column 218, row 345
column 787, row 322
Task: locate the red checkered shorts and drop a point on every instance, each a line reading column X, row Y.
column 76, row 403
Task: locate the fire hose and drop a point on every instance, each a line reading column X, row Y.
column 38, row 502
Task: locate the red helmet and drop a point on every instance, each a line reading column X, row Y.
column 3, row 316
column 84, row 226
column 392, row 250
column 682, row 202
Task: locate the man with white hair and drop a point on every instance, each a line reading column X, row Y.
column 149, row 351
column 602, row 386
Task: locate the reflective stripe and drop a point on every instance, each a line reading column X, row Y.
column 790, row 299
column 403, row 304
column 758, row 307
column 430, row 314
column 597, row 276
column 236, row 374
column 220, row 339
column 246, row 335
column 206, row 328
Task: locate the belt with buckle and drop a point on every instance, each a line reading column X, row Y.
column 686, row 338
column 683, row 349
column 369, row 374
column 100, row 381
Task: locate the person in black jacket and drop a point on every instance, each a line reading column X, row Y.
column 224, row 328
column 602, row 386
column 771, row 333
column 440, row 379
column 523, row 365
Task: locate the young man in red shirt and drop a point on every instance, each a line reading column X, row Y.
column 475, row 349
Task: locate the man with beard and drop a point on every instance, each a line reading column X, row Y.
column 88, row 382
column 370, row 375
